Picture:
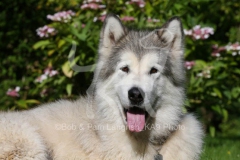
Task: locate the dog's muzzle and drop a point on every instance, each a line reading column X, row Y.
column 135, row 115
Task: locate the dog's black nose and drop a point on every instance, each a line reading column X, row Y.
column 135, row 95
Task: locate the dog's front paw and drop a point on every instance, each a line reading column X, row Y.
column 158, row 157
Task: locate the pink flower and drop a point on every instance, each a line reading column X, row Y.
column 206, row 73
column 13, row 92
column 48, row 72
column 93, row 6
column 217, row 54
column 102, row 18
column 63, row 16
column 199, row 33
column 187, row 32
column 140, row 3
column 127, row 18
column 46, row 31
column 89, row 1
column 189, row 64
column 53, row 73
column 217, row 50
column 41, row 78
column 233, row 47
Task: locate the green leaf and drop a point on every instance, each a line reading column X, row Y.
column 210, row 83
column 212, row 131
column 74, row 61
column 218, row 93
column 42, row 43
column 33, row 101
column 76, row 33
column 227, row 94
column 217, row 109
column 222, row 76
column 70, row 40
column 60, row 80
column 225, row 115
column 22, row 104
column 51, row 52
column 67, row 70
column 200, row 63
column 61, row 43
column 69, row 89
column 235, row 92
column 237, row 71
column 87, row 28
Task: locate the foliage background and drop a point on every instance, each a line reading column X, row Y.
column 25, row 56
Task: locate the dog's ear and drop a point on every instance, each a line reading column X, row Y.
column 112, row 31
column 171, row 34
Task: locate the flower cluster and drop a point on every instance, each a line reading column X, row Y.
column 92, row 4
column 48, row 72
column 46, row 31
column 234, row 48
column 94, row 1
column 217, row 50
column 205, row 73
column 63, row 16
column 127, row 18
column 13, row 92
column 199, row 33
column 189, row 64
column 139, row 3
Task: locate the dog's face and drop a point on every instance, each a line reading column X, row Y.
column 139, row 86
column 137, row 79
column 134, row 66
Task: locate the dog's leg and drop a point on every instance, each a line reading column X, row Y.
column 186, row 142
column 20, row 140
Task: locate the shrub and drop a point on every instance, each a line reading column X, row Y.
column 40, row 64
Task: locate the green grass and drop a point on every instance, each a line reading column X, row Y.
column 221, row 148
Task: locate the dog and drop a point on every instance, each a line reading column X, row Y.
column 132, row 110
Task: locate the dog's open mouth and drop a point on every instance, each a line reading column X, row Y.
column 136, row 118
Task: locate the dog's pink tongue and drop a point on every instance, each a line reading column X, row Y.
column 135, row 119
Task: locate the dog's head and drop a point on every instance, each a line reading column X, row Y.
column 135, row 68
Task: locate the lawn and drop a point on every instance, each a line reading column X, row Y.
column 221, row 148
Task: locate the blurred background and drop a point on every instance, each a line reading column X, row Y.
column 37, row 36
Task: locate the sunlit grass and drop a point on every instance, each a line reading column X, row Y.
column 221, row 148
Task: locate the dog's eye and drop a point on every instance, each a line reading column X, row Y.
column 125, row 69
column 153, row 70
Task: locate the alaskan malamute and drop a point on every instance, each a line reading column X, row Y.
column 133, row 109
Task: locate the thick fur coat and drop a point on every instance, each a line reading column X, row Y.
column 133, row 109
